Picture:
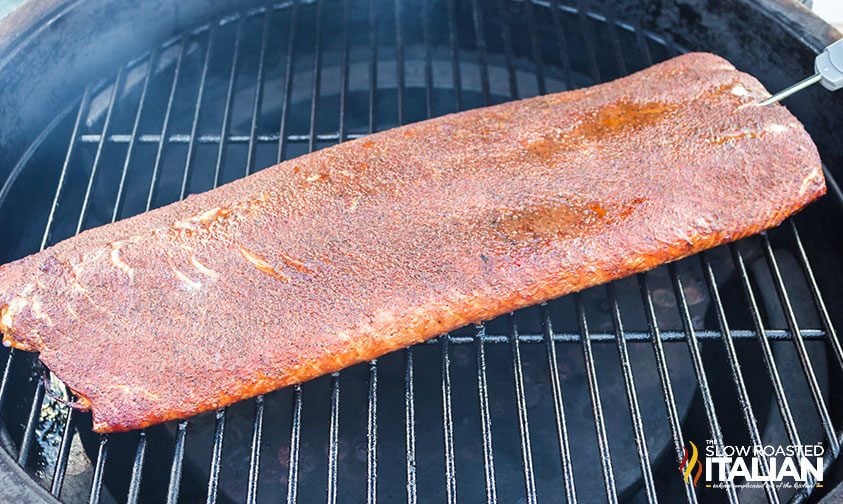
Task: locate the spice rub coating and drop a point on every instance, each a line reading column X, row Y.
column 372, row 245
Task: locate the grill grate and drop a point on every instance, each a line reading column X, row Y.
column 161, row 111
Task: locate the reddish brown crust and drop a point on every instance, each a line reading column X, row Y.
column 373, row 245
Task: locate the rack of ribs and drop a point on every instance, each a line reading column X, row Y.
column 372, row 245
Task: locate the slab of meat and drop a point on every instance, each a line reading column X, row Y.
column 344, row 255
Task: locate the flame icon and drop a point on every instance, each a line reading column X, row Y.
column 687, row 466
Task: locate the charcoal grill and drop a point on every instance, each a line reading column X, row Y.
column 111, row 108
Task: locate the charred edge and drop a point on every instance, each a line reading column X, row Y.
column 9, row 339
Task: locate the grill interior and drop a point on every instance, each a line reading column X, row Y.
column 589, row 397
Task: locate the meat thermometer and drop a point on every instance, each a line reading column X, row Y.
column 828, row 69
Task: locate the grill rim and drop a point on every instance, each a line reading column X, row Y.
column 18, row 484
column 584, row 335
column 31, row 50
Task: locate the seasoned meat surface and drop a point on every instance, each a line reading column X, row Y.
column 372, row 245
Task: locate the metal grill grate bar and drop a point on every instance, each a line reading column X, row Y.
column 176, row 466
column 737, row 375
column 295, row 443
column 632, row 398
column 399, row 61
column 288, row 85
column 83, row 106
column 32, row 420
column 333, row 438
column 121, row 187
column 373, row 68
column 819, row 302
column 99, row 471
column 480, row 40
column 216, row 456
column 535, row 51
column 669, row 336
column 596, row 404
column 559, row 408
column 255, row 452
column 617, row 49
column 165, row 127
column 664, row 379
column 506, row 34
column 802, row 352
column 372, row 435
column 258, row 100
column 831, row 335
column 561, row 44
column 485, row 418
column 699, row 370
column 410, row 426
column 317, row 77
column 197, row 110
column 137, row 469
column 229, row 98
column 448, row 424
column 112, row 102
column 344, row 69
column 766, row 351
column 453, row 41
column 63, row 452
column 523, row 422
column 4, row 381
column 428, row 64
column 588, row 42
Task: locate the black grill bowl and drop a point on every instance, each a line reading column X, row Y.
column 111, row 108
